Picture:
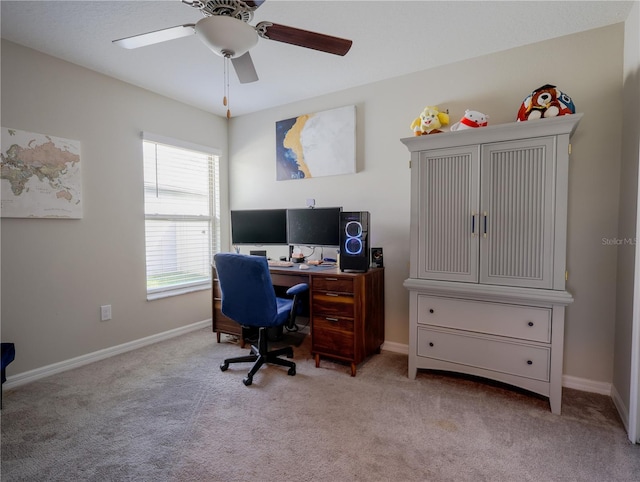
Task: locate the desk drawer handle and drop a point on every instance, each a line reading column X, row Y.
column 331, row 319
column 331, row 279
column 333, row 294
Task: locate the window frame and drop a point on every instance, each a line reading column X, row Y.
column 213, row 218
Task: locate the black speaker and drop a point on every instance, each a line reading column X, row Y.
column 376, row 258
column 354, row 241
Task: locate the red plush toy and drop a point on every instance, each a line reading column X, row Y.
column 546, row 101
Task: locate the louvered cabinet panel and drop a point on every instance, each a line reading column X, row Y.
column 448, row 192
column 517, row 207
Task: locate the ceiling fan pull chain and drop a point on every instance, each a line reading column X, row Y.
column 225, row 100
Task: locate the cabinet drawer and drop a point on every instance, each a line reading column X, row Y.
column 332, row 283
column 525, row 322
column 332, row 304
column 491, row 353
column 333, row 337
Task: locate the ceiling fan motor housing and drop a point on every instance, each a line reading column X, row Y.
column 226, row 36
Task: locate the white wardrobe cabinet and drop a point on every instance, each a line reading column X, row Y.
column 488, row 252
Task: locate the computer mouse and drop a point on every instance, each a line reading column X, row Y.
column 303, row 266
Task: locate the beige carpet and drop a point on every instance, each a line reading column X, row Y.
column 167, row 413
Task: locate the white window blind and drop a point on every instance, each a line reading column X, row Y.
column 182, row 229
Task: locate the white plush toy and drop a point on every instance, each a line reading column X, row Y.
column 470, row 120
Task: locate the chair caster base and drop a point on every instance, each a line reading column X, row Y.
column 247, row 381
column 292, row 371
column 224, row 366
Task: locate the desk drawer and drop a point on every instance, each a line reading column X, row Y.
column 223, row 324
column 288, row 280
column 490, row 353
column 332, row 304
column 333, row 336
column 332, row 283
column 525, row 322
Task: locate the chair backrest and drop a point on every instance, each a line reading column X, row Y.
column 248, row 296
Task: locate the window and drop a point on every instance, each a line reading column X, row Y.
column 182, row 214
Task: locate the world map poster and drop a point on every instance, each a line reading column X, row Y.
column 40, row 176
column 314, row 145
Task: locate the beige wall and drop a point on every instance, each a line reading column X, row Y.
column 57, row 273
column 586, row 66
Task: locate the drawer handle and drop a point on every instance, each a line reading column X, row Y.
column 331, row 279
column 431, row 310
column 530, row 323
column 333, row 294
column 529, row 362
column 430, row 343
column 484, row 215
column 331, row 319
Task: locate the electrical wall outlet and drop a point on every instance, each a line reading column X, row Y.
column 105, row 312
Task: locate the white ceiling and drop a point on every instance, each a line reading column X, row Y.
column 390, row 38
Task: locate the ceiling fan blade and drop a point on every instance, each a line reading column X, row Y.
column 254, row 3
column 303, row 38
column 244, row 68
column 156, row 36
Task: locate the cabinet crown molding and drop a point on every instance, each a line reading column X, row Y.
column 553, row 126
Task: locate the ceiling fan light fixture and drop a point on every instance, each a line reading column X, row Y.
column 226, row 36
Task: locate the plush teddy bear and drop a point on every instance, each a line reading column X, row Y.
column 546, row 101
column 430, row 121
column 470, row 120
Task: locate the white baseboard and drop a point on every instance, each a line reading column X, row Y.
column 586, row 385
column 27, row 377
column 568, row 381
column 46, row 371
column 621, row 407
column 395, row 347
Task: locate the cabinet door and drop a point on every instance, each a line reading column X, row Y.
column 447, row 212
column 517, row 206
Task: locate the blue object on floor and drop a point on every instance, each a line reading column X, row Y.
column 8, row 355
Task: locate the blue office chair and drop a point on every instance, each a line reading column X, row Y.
column 249, row 299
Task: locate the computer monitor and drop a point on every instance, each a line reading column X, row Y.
column 259, row 226
column 313, row 226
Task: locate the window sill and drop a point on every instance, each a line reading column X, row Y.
column 177, row 291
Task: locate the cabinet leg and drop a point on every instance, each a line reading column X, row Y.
column 353, row 369
column 556, row 403
column 317, row 361
column 412, row 372
column 218, row 336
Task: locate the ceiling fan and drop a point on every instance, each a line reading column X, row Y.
column 225, row 29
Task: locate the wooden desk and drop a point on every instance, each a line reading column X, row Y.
column 346, row 311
